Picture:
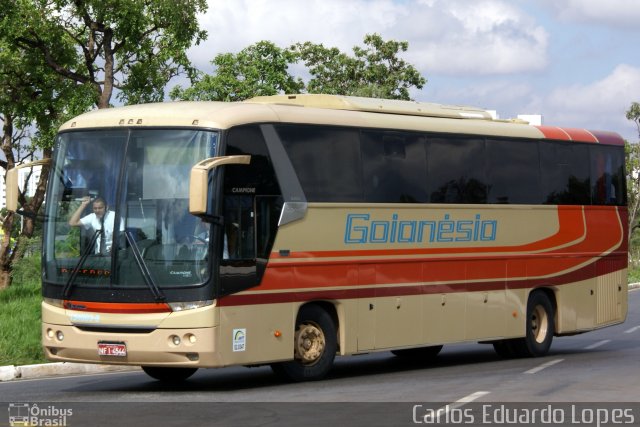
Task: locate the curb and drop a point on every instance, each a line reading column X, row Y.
column 8, row 373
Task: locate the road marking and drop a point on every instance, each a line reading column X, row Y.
column 457, row 404
column 543, row 366
column 597, row 344
column 632, row 330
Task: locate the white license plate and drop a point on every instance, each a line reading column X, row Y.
column 118, row 349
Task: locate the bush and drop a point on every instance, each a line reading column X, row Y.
column 26, row 270
column 20, row 316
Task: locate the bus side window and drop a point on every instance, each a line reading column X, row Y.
column 607, row 176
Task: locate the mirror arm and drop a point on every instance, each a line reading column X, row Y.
column 199, row 181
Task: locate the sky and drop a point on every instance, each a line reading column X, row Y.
column 575, row 62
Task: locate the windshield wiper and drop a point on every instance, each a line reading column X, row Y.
column 146, row 274
column 67, row 288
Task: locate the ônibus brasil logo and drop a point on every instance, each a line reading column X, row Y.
column 27, row 414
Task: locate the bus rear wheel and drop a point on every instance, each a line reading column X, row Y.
column 315, row 345
column 540, row 325
column 540, row 329
column 169, row 375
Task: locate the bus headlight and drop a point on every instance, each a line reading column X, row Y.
column 189, row 305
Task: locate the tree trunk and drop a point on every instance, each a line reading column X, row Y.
column 6, row 252
column 9, row 250
column 35, row 204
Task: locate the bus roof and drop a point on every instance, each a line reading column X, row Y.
column 329, row 110
column 376, row 105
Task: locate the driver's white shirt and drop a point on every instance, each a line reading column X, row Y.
column 92, row 222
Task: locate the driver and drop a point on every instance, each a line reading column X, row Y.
column 100, row 219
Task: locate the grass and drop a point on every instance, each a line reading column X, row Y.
column 20, row 325
column 20, row 316
column 634, row 275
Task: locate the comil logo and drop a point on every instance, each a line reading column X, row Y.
column 26, row 414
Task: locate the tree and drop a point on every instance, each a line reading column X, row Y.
column 60, row 57
column 632, row 152
column 260, row 69
column 633, row 114
column 375, row 70
column 134, row 46
column 264, row 69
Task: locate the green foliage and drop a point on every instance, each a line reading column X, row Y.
column 632, row 164
column 20, row 317
column 634, row 274
column 633, row 114
column 136, row 46
column 375, row 69
column 263, row 69
column 258, row 70
column 26, row 270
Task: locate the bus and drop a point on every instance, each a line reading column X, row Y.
column 290, row 229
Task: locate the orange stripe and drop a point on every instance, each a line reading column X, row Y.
column 110, row 307
column 581, row 135
column 552, row 132
column 567, row 134
column 600, row 239
column 602, row 266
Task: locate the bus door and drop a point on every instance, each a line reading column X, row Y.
column 249, row 228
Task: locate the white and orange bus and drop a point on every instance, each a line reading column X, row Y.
column 287, row 230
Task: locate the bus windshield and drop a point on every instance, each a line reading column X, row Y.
column 117, row 211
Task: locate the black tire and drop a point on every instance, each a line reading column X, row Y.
column 169, row 375
column 315, row 345
column 540, row 327
column 418, row 354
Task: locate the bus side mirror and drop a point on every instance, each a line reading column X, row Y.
column 199, row 180
column 12, row 190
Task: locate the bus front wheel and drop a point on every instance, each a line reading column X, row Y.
column 169, row 375
column 314, row 347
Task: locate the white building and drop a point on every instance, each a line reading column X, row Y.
column 532, row 119
column 29, row 184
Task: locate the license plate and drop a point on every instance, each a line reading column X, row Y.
column 118, row 349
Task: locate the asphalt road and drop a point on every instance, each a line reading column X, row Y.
column 597, row 371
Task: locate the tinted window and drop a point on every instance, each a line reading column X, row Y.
column 607, row 175
column 565, row 173
column 456, row 170
column 394, row 167
column 513, row 171
column 243, row 184
column 251, row 209
column 256, row 178
column 326, row 160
